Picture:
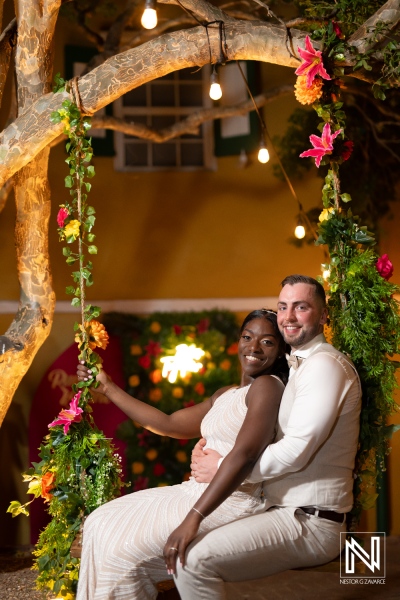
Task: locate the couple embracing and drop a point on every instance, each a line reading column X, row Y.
column 272, row 477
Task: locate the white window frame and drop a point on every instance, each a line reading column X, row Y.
column 123, row 112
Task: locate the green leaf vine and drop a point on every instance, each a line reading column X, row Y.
column 365, row 319
column 78, row 468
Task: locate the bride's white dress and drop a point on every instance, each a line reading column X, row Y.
column 123, row 540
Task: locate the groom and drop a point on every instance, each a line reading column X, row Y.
column 307, row 471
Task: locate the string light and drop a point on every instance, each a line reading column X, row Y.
column 300, row 230
column 149, row 17
column 263, row 154
column 215, row 88
column 185, row 360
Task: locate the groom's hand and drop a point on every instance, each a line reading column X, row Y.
column 204, row 463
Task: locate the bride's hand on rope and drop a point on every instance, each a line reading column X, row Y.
column 85, row 374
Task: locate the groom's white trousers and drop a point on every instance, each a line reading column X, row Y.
column 255, row 547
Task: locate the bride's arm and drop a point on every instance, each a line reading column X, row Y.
column 182, row 424
column 257, row 431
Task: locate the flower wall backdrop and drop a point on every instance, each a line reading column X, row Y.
column 154, row 460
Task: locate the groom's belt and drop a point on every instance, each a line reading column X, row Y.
column 331, row 515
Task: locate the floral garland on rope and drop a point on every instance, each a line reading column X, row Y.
column 78, row 469
column 364, row 315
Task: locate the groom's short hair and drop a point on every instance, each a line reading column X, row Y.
column 318, row 288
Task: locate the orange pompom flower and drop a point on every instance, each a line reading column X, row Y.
column 97, row 334
column 307, row 95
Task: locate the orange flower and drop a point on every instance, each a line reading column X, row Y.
column 225, row 365
column 155, row 327
column 97, row 334
column 151, row 454
column 134, row 380
column 178, row 392
column 137, row 468
column 155, row 376
column 155, row 395
column 181, row 456
column 47, row 485
column 199, row 388
column 307, row 95
column 233, row 348
column 136, row 350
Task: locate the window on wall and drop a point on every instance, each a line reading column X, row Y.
column 160, row 104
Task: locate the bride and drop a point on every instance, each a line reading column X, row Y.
column 128, row 542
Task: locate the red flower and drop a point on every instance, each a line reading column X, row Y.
column 322, row 145
column 145, row 361
column 177, row 329
column 183, row 442
column 141, row 483
column 337, row 30
column 384, row 267
column 233, row 348
column 190, row 403
column 203, row 325
column 70, row 415
column 159, row 469
column 153, row 348
column 312, row 64
column 142, row 437
column 62, row 215
column 348, row 149
column 199, row 388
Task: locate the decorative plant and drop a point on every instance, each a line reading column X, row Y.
column 78, row 468
column 364, row 316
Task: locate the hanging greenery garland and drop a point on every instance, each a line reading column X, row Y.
column 78, row 468
column 363, row 313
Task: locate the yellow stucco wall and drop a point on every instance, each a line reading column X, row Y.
column 210, row 234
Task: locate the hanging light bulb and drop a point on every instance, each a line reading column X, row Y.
column 149, row 17
column 300, row 230
column 325, row 274
column 263, row 154
column 215, row 88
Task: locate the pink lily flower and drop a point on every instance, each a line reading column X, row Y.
column 312, row 65
column 68, row 416
column 322, row 145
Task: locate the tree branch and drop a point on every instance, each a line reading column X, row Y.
column 365, row 37
column 192, row 123
column 378, row 140
column 7, row 42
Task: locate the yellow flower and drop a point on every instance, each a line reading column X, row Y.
column 136, row 350
column 137, row 468
column 210, row 366
column 178, row 392
column 307, row 95
column 72, row 229
column 155, row 327
column 155, row 395
column 151, row 454
column 225, row 364
column 181, row 456
column 326, row 214
column 134, row 380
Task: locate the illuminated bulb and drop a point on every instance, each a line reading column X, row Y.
column 300, row 232
column 149, row 17
column 263, row 155
column 215, row 88
column 185, row 361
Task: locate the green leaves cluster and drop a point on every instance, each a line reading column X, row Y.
column 87, row 474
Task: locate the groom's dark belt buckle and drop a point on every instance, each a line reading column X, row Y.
column 331, row 515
